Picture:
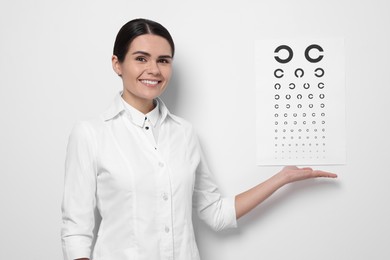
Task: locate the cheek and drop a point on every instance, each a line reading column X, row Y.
column 131, row 73
column 167, row 73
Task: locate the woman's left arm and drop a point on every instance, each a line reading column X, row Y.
column 248, row 200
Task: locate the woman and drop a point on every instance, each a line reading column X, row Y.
column 141, row 168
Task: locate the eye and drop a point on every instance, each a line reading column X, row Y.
column 163, row 61
column 140, row 58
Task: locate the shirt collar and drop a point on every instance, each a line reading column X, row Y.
column 115, row 109
column 138, row 118
column 118, row 107
column 154, row 115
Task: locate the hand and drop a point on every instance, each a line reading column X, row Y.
column 292, row 173
column 249, row 199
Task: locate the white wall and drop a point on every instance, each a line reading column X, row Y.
column 55, row 69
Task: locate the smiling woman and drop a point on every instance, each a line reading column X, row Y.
column 142, row 169
column 145, row 71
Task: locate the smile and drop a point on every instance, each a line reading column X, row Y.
column 149, row 82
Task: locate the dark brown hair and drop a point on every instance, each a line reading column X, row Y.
column 135, row 28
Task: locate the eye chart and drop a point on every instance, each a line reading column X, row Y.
column 300, row 88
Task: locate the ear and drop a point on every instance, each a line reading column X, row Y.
column 116, row 65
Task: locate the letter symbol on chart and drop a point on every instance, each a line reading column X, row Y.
column 278, row 73
column 283, row 47
column 319, row 75
column 300, row 74
column 307, row 52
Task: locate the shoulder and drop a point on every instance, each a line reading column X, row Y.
column 90, row 128
column 177, row 121
column 182, row 123
column 187, row 129
column 87, row 129
column 88, row 125
column 81, row 132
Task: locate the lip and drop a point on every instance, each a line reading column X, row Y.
column 150, row 82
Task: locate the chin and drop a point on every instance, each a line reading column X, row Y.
column 152, row 96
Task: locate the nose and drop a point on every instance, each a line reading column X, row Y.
column 153, row 68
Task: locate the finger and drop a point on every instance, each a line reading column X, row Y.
column 319, row 173
column 291, row 167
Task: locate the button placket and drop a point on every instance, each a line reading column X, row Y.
column 147, row 128
column 147, row 125
column 165, row 197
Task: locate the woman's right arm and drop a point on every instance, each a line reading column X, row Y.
column 249, row 199
column 79, row 202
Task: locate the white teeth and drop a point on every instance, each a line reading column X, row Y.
column 151, row 82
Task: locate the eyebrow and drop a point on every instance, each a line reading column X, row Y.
column 148, row 54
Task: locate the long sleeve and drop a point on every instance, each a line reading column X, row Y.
column 79, row 197
column 214, row 209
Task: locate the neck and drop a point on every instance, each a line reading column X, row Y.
column 142, row 105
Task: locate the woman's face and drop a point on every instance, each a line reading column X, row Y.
column 146, row 70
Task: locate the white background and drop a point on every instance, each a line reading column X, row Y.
column 55, row 69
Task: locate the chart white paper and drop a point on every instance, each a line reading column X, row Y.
column 300, row 88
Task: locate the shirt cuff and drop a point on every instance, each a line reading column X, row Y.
column 231, row 220
column 75, row 253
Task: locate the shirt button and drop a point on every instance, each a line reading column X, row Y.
column 165, row 196
column 161, row 164
column 147, row 127
column 167, row 229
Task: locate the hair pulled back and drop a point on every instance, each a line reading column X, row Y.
column 135, row 28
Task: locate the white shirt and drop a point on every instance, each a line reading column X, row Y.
column 144, row 194
column 149, row 122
